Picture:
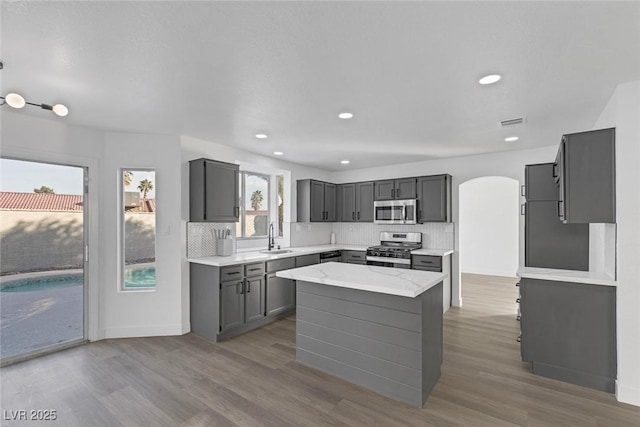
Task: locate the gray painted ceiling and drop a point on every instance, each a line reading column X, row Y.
column 224, row 71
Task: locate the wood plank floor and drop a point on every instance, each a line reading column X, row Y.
column 253, row 380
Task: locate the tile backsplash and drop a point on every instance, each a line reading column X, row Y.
column 200, row 238
column 201, row 243
column 434, row 235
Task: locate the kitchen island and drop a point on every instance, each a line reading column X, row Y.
column 378, row 327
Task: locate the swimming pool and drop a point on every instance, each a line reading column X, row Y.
column 134, row 278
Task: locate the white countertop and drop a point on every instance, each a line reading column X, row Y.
column 566, row 276
column 384, row 280
column 250, row 256
column 433, row 252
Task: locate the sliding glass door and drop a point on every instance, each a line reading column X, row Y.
column 43, row 211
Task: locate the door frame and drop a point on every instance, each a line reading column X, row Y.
column 92, row 331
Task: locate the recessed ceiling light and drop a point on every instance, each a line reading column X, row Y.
column 344, row 162
column 278, row 153
column 345, row 115
column 511, row 139
column 487, row 80
column 261, row 136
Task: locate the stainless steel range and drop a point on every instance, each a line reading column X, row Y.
column 394, row 249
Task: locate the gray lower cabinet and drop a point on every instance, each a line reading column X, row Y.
column 304, row 260
column 434, row 198
column 281, row 293
column 227, row 301
column 585, row 172
column 568, row 331
column 213, row 191
column 439, row 264
column 231, row 304
column 354, row 257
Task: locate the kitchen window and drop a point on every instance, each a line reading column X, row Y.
column 255, row 206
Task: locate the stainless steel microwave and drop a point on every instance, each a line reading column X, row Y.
column 395, row 211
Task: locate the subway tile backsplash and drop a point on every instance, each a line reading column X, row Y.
column 434, row 235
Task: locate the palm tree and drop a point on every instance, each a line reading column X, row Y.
column 145, row 186
column 256, row 200
column 127, row 176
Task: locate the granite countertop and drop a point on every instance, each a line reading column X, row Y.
column 384, row 280
column 573, row 276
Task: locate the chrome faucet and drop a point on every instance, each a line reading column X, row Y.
column 270, row 239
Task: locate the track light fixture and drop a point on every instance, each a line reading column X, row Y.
column 17, row 101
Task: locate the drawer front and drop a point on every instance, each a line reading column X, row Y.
column 425, row 268
column 304, row 260
column 281, row 264
column 231, row 272
column 353, row 256
column 434, row 263
column 255, row 269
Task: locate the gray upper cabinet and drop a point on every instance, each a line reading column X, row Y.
column 346, row 202
column 213, row 191
column 548, row 243
column 539, row 183
column 585, row 173
column 316, row 201
column 434, row 198
column 394, row 189
column 364, row 201
column 355, row 202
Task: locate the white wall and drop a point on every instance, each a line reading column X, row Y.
column 507, row 164
column 623, row 112
column 488, row 228
column 113, row 313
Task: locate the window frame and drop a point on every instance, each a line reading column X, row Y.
column 243, row 209
column 122, row 266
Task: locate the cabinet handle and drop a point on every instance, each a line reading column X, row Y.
column 248, row 286
column 522, row 209
column 237, row 211
column 519, row 339
column 419, row 213
column 518, row 318
column 232, row 273
column 241, row 285
column 426, row 262
column 517, row 284
column 392, row 193
column 353, row 215
column 255, row 269
column 358, row 215
column 518, row 300
column 398, row 193
column 522, row 191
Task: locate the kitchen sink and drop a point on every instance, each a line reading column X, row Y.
column 276, row 251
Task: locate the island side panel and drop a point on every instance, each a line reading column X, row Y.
column 372, row 339
column 432, row 338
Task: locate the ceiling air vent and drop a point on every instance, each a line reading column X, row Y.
column 512, row 122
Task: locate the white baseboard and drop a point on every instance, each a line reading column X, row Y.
column 627, row 394
column 186, row 328
column 144, row 331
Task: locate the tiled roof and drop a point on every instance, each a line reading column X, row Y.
column 40, row 202
column 54, row 202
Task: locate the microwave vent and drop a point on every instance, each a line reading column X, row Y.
column 512, row 122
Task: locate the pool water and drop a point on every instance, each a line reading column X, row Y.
column 140, row 277
column 134, row 278
column 30, row 285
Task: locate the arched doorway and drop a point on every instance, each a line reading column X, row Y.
column 489, row 226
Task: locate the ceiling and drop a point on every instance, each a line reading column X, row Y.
column 225, row 71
